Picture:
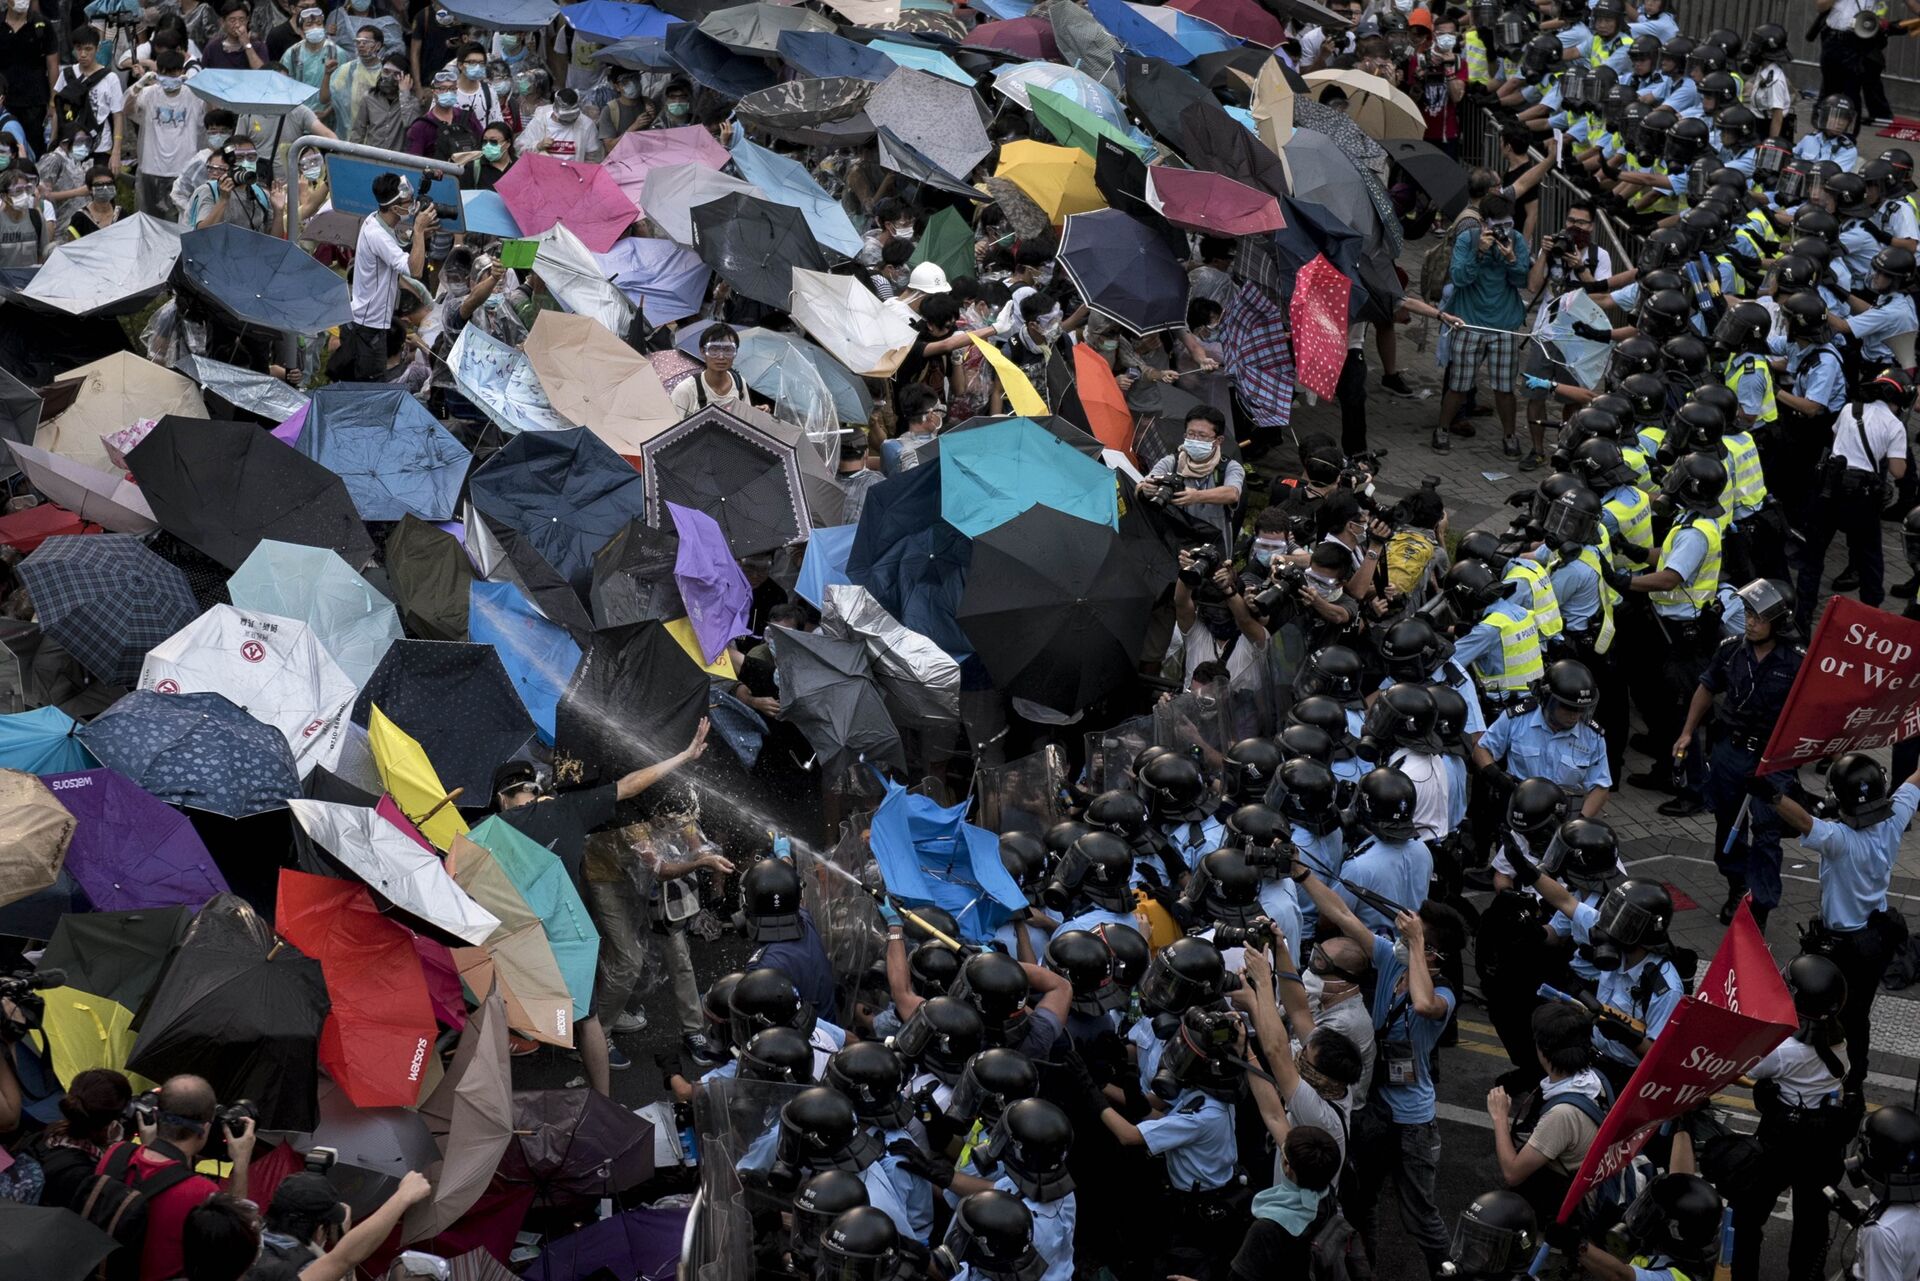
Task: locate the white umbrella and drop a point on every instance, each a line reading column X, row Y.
column 575, row 277
column 273, row 668
column 395, row 866
column 353, row 621
column 500, row 382
column 132, row 257
column 920, row 680
column 671, row 192
column 855, row 327
column 106, row 498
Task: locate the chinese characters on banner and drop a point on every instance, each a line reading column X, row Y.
column 1858, row 688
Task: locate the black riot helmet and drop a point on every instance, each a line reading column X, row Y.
column 1743, row 328
column 1541, row 55
column 1696, row 426
column 1879, row 174
column 1403, row 716
column 993, row 1080
column 1739, row 129
column 1770, row 157
column 1412, row 650
column 778, row 1054
column 1510, row 32
column 1806, row 313
column 941, row 1036
column 1673, row 55
column 1793, row 274
column 1585, row 854
column 1175, row 790
column 1473, row 587
column 1131, row 955
column 1306, row 740
column 1857, row 790
column 1707, row 58
column 1722, row 88
column 1599, row 424
column 770, row 902
column 1119, row 812
column 1677, row 1215
column 873, row 1077
column 1767, row 43
column 1032, row 1139
column 819, row 1130
column 1717, row 395
column 1573, row 519
column 1385, row 804
column 1082, row 959
column 1449, row 715
column 1061, row 835
column 1900, row 161
column 994, row 984
column 1322, row 713
column 1636, row 913
column 1646, row 392
column 1631, row 356
column 1602, row 465
column 765, row 998
column 1818, row 986
column 991, row 1237
column 1535, row 810
column 1686, row 141
column 1696, row 483
column 861, row 1244
column 1771, row 601
column 1707, row 224
column 930, row 918
column 1025, row 858
column 1310, row 795
column 1258, row 827
column 1495, row 1237
column 1147, row 755
column 1663, row 314
column 1664, row 249
column 1482, row 545
column 1614, row 405
column 1893, row 386
column 1101, row 865
column 1334, row 672
column 1685, row 357
column 1485, row 15
column 1185, row 973
column 1895, row 266
column 1835, row 114
column 1250, row 767
column 1224, row 889
column 1644, row 49
column 817, row 1202
column 1652, row 139
column 716, row 1007
column 1849, row 192
column 1568, row 692
column 931, row 969
column 1793, row 181
column 1812, row 220
column 1890, row 1155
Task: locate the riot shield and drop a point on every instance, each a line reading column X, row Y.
column 1023, row 795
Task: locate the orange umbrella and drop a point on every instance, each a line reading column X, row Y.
column 1105, row 404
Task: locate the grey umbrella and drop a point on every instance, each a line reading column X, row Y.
column 375, row 1147
column 944, row 121
column 1368, row 156
column 19, row 417
column 1322, row 174
column 1083, row 42
column 908, row 161
column 827, row 688
column 754, row 29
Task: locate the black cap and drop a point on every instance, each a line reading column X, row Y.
column 307, row 1196
column 515, row 773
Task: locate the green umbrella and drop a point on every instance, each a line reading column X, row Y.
column 1072, row 125
column 947, row 243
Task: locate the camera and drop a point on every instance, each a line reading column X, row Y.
column 1277, row 857
column 1403, row 514
column 1160, row 490
column 320, row 1160
column 21, row 990
column 1200, row 1056
column 1258, row 935
column 1206, row 560
column 142, row 1112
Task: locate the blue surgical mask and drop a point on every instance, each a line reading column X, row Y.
column 81, row 153
column 217, row 141
column 1198, row 450
column 314, row 35
column 171, row 84
column 446, row 97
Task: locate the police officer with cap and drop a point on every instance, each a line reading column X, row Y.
column 1856, row 834
column 1748, row 678
column 1551, row 738
column 1888, row 1247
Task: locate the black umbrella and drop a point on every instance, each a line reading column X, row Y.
column 458, row 701
column 1158, row 92
column 828, row 690
column 19, row 415
column 635, row 699
column 117, row 955
column 566, row 492
column 38, row 347
column 1217, row 71
column 509, row 557
column 747, row 479
column 1056, row 607
column 850, row 132
column 224, row 486
column 576, row 1146
column 633, row 577
column 206, row 577
column 242, row 1010
column 261, row 280
column 712, row 65
column 816, row 100
column 49, row 1243
column 432, row 579
column 107, row 599
column 1122, row 179
column 1124, row 271
column 1431, row 170
column 755, row 244
column 1216, row 142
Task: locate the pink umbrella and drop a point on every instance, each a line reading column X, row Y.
column 1242, row 18
column 1211, row 203
column 541, row 191
column 639, row 152
column 1029, row 37
column 288, row 432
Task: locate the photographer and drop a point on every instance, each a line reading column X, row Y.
column 180, row 1130
column 1199, row 479
column 309, row 1232
column 1213, row 615
column 1569, row 258
column 1436, row 78
column 1491, row 262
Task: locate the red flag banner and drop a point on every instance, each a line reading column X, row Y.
column 1740, row 1011
column 1318, row 314
column 1858, row 688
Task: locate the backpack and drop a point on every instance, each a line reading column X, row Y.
column 119, row 1208
column 74, row 98
column 1336, row 1253
column 1436, row 267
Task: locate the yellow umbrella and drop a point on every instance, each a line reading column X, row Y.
column 1380, row 110
column 410, row 779
column 1020, row 393
column 1058, row 179
column 681, row 629
column 87, row 1031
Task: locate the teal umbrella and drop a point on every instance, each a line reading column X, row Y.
column 542, row 881
column 919, row 59
column 991, row 474
column 788, row 182
column 42, row 741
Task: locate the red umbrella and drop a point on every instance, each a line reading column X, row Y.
column 378, row 1036
column 1211, row 203
column 1028, row 37
column 541, row 190
column 27, row 529
column 1242, row 18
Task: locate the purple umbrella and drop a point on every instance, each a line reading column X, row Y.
column 638, row 1243
column 711, row 584
column 130, row 850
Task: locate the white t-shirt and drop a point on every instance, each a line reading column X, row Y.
column 481, row 101
column 169, row 130
column 1198, row 646
column 1351, row 1019
column 1804, row 1081
column 107, row 94
column 378, row 263
column 686, row 394
column 1886, row 436
column 1841, row 16
column 1432, row 792
column 578, row 139
column 1889, row 1247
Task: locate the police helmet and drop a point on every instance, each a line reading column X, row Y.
column 770, row 902
column 1677, row 1215
column 778, row 1054
column 819, row 1130
column 1890, row 1154
column 1495, row 1237
column 765, row 998
column 1857, row 786
column 1175, row 790
column 991, row 1237
column 1250, row 766
column 1636, row 913
column 1819, row 987
column 861, row 1244
column 1385, row 804
column 1310, row 795
column 873, row 1077
column 941, row 1036
column 1334, row 672
column 1032, row 1139
column 994, row 984
column 1536, row 809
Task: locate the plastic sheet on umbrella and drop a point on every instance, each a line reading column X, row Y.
column 1583, row 359
column 834, row 889
column 919, row 680
column 1023, row 795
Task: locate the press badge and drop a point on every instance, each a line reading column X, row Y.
column 1399, row 1059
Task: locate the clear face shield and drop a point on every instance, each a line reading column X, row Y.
column 1567, row 522
column 1765, row 601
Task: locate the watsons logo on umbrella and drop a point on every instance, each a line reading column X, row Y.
column 419, row 1057
column 69, row 784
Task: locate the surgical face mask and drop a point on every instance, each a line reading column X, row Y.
column 501, row 88
column 444, row 98
column 171, row 84
column 473, row 70
column 216, row 141
column 492, row 150
column 1444, row 42
column 629, row 91
column 678, row 109
column 509, row 42
column 312, row 172
column 1263, row 551
column 314, row 35
column 1404, row 6
column 360, row 6
column 1198, row 450
column 903, row 231
column 523, row 84
column 81, row 151
column 103, row 195
column 566, row 115
column 21, row 200
column 245, row 164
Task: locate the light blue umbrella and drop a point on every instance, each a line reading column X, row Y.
column 787, row 182
column 543, row 882
column 487, row 215
column 395, row 457
column 504, row 15
column 605, row 21
column 354, row 623
column 1196, row 35
column 991, row 474
column 261, row 93
column 538, row 654
column 825, row 563
column 666, row 281
column 906, row 55
column 1138, row 34
column 42, row 741
column 1004, row 10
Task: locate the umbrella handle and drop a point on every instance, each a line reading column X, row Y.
column 444, row 801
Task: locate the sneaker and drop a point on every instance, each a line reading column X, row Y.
column 519, row 1046
column 1533, row 462
column 1881, row 122
column 701, row 1050
column 1397, row 384
column 629, row 1021
column 1510, row 447
column 1439, row 443
column 616, row 1057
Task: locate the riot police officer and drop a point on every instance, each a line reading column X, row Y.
column 1392, row 861
column 1888, row 1248
column 1179, row 808
column 1495, row 1238
column 1502, row 647
column 1673, row 1229
column 860, row 1244
column 1815, row 389
column 992, row 1238
column 1309, row 801
column 1334, row 672
column 773, row 917
column 1329, row 717
column 1093, row 884
column 1552, row 738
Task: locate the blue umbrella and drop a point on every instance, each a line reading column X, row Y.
column 394, row 456
column 825, row 563
column 607, row 20
column 108, row 598
column 262, row 280
column 823, row 54
column 907, row 55
column 787, row 182
column 666, row 281
column 198, row 751
column 42, row 742
column 1137, row 34
column 263, row 93
column 992, row 473
column 642, row 53
column 539, row 655
column 931, row 854
column 566, row 492
column 1196, row 35
column 1004, row 10
column 486, row 215
column 912, row 561
column 504, row 15
column 742, row 729
column 709, row 63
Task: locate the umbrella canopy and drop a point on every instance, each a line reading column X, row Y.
column 500, row 381
column 1241, row 18
column 42, row 741
column 411, row 781
column 403, row 873
column 505, row 15
column 247, row 92
column 666, row 281
column 114, row 269
column 394, row 456
column 570, row 271
column 1583, row 361
column 1138, row 33
column 1380, row 110
column 261, row 280
column 1124, row 271
column 114, row 391
column 380, row 1026
column 712, row 65
column 266, row 491
column 198, row 751
column 34, row 832
column 1055, row 609
column 947, row 243
column 112, row 961
column 635, row 700
column 1196, row 36
column 1058, row 179
column 672, row 192
column 787, row 182
column 471, row 1112
column 251, row 391
column 822, row 54
column 1027, row 37
column 990, row 474
column 711, row 582
column 643, row 1244
column 130, row 851
column 49, row 1243
column 641, row 151
column 25, row 530
column 789, row 368
column 108, row 599
column 913, row 562
column 107, row 498
column 746, row 480
column 754, row 29
column 503, row 555
column 1211, row 203
column 542, row 880
column 815, row 111
column 457, row 700
column 1433, row 171
column 922, row 58
column 1072, row 125
column 755, row 244
column 598, row 381
column 538, row 654
column 576, row 1145
column 850, row 323
column 566, row 492
column 353, row 622
column 825, row 563
column 1324, row 175
column 517, row 958
column 274, row 669
column 605, row 20
column 376, row 1146
column 942, row 120
column 241, row 1011
column 20, row 407
column 542, row 190
column 430, row 575
column 1083, row 90
column 920, row 681
column 633, row 576
column 903, row 158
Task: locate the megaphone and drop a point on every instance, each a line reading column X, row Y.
column 1866, row 24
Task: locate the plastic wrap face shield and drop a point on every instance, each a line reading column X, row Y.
column 1482, row 1251
column 963, row 1246
column 1765, row 601
column 1566, row 523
